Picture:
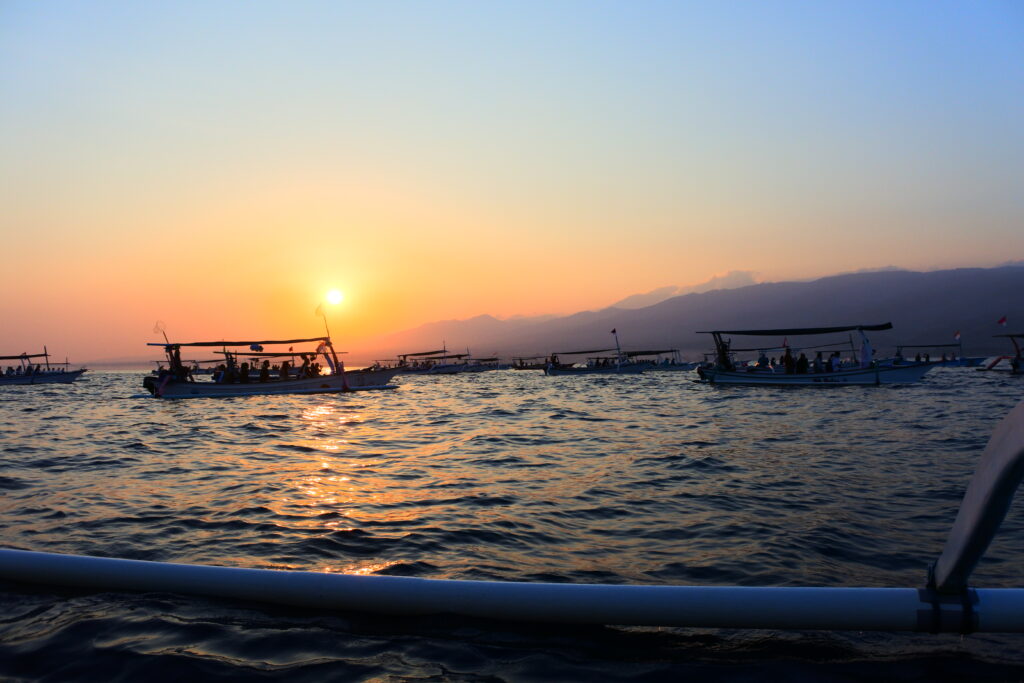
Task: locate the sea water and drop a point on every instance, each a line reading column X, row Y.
column 505, row 476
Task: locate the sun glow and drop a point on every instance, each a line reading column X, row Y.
column 334, row 297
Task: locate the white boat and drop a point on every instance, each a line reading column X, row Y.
column 45, row 372
column 237, row 379
column 724, row 369
column 618, row 364
column 667, row 360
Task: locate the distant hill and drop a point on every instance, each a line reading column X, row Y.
column 923, row 307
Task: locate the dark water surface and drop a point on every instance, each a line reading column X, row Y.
column 511, row 476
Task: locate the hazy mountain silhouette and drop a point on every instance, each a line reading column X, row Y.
column 923, row 307
column 731, row 280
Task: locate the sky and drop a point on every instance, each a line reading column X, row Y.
column 220, row 166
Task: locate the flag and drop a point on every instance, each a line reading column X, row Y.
column 613, row 331
column 319, row 310
column 957, row 335
column 1002, row 321
column 289, row 349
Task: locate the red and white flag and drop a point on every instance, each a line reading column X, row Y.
column 957, row 335
column 1002, row 321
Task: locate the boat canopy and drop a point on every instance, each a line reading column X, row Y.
column 579, row 353
column 795, row 331
column 485, row 360
column 649, row 353
column 1018, row 335
column 244, row 343
column 529, row 357
column 422, row 353
column 801, row 348
column 25, row 355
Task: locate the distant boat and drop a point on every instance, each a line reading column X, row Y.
column 724, row 369
column 45, row 372
column 419, row 362
column 955, row 359
column 235, row 378
column 529, row 362
column 618, row 364
column 1016, row 361
column 663, row 360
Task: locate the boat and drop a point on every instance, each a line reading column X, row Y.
column 529, row 362
column 45, row 372
column 723, row 370
column 663, row 360
column 419, row 362
column 1016, row 361
column 618, row 364
column 234, row 378
column 954, row 360
column 944, row 601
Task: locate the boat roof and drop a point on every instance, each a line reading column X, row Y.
column 650, row 353
column 575, row 353
column 25, row 355
column 1015, row 334
column 795, row 331
column 527, row 357
column 270, row 354
column 485, row 359
column 244, row 343
column 422, row 353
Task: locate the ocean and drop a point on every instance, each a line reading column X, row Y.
column 504, row 476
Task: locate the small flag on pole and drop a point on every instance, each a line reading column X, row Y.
column 613, row 331
column 957, row 335
column 1002, row 321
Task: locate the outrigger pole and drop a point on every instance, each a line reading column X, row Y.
column 945, row 604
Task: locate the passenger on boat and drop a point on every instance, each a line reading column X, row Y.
column 801, row 365
column 789, row 362
column 917, row 358
column 285, row 370
column 265, row 371
column 304, row 370
column 819, row 364
column 220, row 374
column 243, row 373
column 836, row 361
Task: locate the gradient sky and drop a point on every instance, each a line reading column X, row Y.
column 219, row 166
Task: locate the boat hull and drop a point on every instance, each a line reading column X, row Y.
column 42, row 378
column 902, row 374
column 354, row 380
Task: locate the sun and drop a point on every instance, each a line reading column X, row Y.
column 334, row 297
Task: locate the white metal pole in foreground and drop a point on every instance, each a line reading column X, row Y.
column 885, row 609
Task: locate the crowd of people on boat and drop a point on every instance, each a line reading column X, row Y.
column 800, row 365
column 29, row 369
column 231, row 372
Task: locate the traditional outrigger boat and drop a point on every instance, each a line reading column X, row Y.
column 619, row 364
column 37, row 373
column 529, row 362
column 955, row 359
column 237, row 379
column 665, row 360
column 725, row 371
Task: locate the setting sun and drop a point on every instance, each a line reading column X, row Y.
column 334, row 297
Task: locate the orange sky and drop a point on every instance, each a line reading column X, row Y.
column 219, row 168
